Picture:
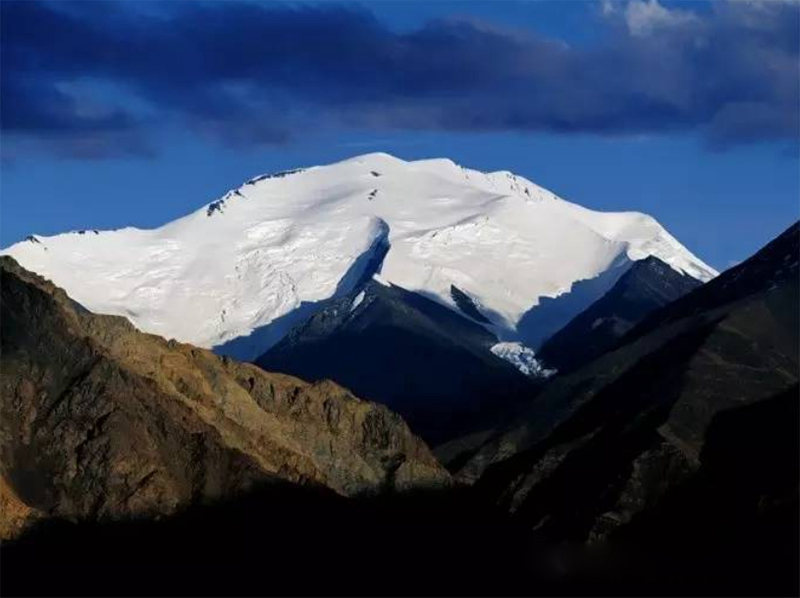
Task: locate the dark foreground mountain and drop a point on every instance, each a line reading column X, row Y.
column 281, row 540
column 103, row 422
column 136, row 466
column 679, row 447
column 425, row 361
column 647, row 285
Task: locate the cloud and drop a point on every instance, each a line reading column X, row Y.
column 646, row 17
column 89, row 80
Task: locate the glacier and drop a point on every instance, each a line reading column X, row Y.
column 523, row 358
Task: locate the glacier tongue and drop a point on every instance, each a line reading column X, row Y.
column 523, row 358
column 280, row 243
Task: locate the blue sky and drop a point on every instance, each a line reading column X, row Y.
column 134, row 113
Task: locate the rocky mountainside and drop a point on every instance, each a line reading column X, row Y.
column 647, row 285
column 100, row 421
column 680, row 443
column 430, row 364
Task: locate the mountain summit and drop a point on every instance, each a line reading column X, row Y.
column 494, row 247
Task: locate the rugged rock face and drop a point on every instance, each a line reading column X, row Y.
column 684, row 437
column 101, row 421
column 648, row 285
column 425, row 361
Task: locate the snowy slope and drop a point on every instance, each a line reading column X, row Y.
column 254, row 256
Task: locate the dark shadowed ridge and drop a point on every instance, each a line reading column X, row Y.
column 776, row 263
column 647, row 285
column 425, row 361
column 679, row 447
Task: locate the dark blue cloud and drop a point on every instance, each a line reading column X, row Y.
column 92, row 78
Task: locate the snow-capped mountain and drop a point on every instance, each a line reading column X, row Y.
column 493, row 246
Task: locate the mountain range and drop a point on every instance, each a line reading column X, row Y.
column 477, row 269
column 679, row 441
column 607, row 414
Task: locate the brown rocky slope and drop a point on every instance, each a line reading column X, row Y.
column 100, row 421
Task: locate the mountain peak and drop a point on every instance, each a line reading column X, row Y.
column 372, row 158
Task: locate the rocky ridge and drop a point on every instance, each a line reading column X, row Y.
column 688, row 429
column 101, row 421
